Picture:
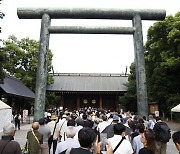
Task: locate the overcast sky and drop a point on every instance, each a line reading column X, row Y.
column 83, row 53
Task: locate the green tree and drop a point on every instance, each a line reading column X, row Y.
column 21, row 57
column 163, row 62
column 129, row 100
column 2, row 60
column 2, row 73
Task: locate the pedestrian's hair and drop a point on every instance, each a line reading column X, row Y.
column 42, row 121
column 86, row 137
column 144, row 117
column 140, row 127
column 158, row 118
column 140, row 120
column 176, row 137
column 150, row 116
column 104, row 117
column 71, row 122
column 150, row 138
column 84, row 117
column 8, row 129
column 119, row 128
column 70, row 132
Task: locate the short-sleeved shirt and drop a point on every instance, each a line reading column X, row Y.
column 137, row 144
column 67, row 144
column 124, row 148
column 45, row 131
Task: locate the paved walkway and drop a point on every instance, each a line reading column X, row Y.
column 20, row 136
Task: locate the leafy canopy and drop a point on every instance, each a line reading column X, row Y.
column 21, row 58
column 163, row 62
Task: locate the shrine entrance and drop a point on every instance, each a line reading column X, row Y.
column 46, row 14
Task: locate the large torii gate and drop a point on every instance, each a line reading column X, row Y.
column 46, row 14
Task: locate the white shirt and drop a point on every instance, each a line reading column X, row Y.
column 102, row 125
column 62, row 126
column 137, row 144
column 78, row 128
column 67, row 144
column 110, row 120
column 51, row 125
column 151, row 124
column 124, row 148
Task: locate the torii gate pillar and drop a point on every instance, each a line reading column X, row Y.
column 141, row 88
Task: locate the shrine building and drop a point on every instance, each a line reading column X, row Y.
column 88, row 90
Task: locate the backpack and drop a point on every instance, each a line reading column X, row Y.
column 165, row 133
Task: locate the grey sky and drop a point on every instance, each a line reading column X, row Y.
column 80, row 53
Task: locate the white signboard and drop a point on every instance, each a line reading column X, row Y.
column 25, row 114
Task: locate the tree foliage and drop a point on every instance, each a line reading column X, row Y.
column 2, row 60
column 2, row 73
column 163, row 62
column 21, row 58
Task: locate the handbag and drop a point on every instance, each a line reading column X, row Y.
column 24, row 149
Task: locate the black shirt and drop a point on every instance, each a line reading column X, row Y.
column 79, row 151
column 145, row 151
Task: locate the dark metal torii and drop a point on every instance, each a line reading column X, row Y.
column 46, row 14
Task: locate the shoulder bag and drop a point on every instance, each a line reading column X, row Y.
column 4, row 146
column 123, row 138
column 35, row 137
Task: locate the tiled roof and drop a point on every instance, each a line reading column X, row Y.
column 15, row 87
column 88, row 82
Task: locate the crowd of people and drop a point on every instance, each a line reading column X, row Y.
column 91, row 130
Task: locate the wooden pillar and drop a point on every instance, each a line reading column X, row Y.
column 78, row 102
column 100, row 102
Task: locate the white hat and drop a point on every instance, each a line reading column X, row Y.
column 64, row 116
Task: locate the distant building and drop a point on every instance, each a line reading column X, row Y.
column 15, row 93
column 84, row 90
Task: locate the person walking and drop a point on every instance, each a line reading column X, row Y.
column 162, row 136
column 69, row 143
column 54, row 133
column 34, row 139
column 7, row 143
column 46, row 132
column 102, row 125
column 17, row 119
column 119, row 142
column 136, row 143
column 151, row 122
column 148, row 141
